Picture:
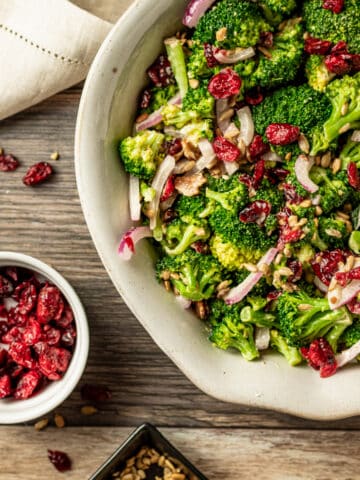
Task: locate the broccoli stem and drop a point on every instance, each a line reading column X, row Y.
column 279, row 343
column 176, row 57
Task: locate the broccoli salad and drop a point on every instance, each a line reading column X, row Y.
column 244, row 174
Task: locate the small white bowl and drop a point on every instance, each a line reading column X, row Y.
column 17, row 411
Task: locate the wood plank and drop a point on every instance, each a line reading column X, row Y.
column 236, row 454
column 47, row 222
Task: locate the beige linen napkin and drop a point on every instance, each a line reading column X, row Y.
column 46, row 46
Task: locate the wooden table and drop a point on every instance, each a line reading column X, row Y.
column 225, row 441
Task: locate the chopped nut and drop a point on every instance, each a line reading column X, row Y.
column 55, row 156
column 336, row 165
column 325, row 160
column 178, row 476
column 344, row 128
column 201, row 309
column 190, row 151
column 189, row 185
column 183, row 166
column 285, row 271
column 304, row 307
column 167, row 285
column 41, row 424
column 349, row 226
column 264, row 268
column 59, row 420
column 265, row 52
column 142, row 117
column 332, row 232
column 318, row 210
column 278, row 258
column 303, row 143
column 250, row 267
column 226, row 114
column 344, row 109
column 221, row 34
column 223, row 284
column 194, row 83
column 305, row 203
column 88, row 410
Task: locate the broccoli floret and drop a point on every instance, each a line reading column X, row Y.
column 351, row 335
column 292, row 354
column 324, row 24
column 141, row 153
column 147, row 192
column 191, row 126
column 304, row 318
column 342, row 91
column 200, row 101
column 298, row 105
column 270, row 194
column 174, row 115
column 179, row 235
column 160, row 97
column 286, row 57
column 197, row 66
column 233, row 200
column 219, row 309
column 194, row 275
column 333, row 232
column 176, row 56
column 257, row 317
column 354, row 241
column 231, row 333
column 242, row 20
column 317, row 74
column 271, row 224
column 195, row 131
column 230, row 255
column 245, row 68
column 276, row 10
column 334, row 190
column 350, row 153
column 190, row 209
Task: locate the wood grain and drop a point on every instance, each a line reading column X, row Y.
column 220, row 454
column 47, row 222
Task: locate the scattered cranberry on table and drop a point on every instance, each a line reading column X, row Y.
column 8, row 163
column 60, row 460
column 37, row 333
column 37, row 173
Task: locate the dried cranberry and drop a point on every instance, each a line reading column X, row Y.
column 316, row 46
column 68, row 337
column 5, row 386
column 225, row 150
column 291, row 194
column 13, row 335
column 224, row 84
column 14, row 370
column 8, row 163
column 258, row 146
column 340, row 47
column 296, row 267
column 32, row 332
column 145, row 98
column 353, row 175
column 37, row 173
column 27, row 384
column 340, row 64
column 326, row 264
column 259, row 173
column 6, row 287
column 344, row 277
column 282, row 133
column 49, row 304
column 209, row 55
column 53, row 361
column 173, row 147
column 60, row 460
column 3, row 357
column 200, row 247
column 21, row 354
column 336, row 6
column 266, row 39
column 26, row 295
column 17, row 318
column 39, row 347
column 168, row 189
column 66, row 318
column 4, row 328
column 160, row 72
column 276, row 174
column 354, row 306
column 273, row 295
column 287, row 233
column 13, row 273
column 3, row 311
column 320, row 356
column 95, row 393
column 254, row 96
column 256, row 212
column 51, row 335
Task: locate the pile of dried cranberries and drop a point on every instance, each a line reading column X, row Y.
column 37, row 333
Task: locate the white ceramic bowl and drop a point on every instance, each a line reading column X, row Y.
column 16, row 411
column 106, row 114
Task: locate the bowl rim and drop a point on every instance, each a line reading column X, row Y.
column 18, row 411
column 96, row 73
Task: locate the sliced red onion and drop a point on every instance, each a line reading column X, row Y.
column 185, row 303
column 316, row 200
column 233, row 56
column 341, row 296
column 222, row 106
column 207, row 156
column 195, row 10
column 134, row 198
column 247, row 128
column 355, row 136
column 303, row 165
column 348, row 355
column 231, row 167
column 130, row 238
column 262, row 338
column 155, row 117
column 172, row 132
column 271, row 157
column 239, row 292
column 320, row 285
column 162, row 174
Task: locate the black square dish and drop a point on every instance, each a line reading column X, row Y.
column 145, row 435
